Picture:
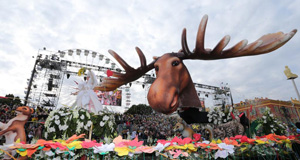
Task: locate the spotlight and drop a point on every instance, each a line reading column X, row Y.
column 101, row 57
column 107, row 60
column 86, row 52
column 94, row 54
column 70, row 52
column 78, row 51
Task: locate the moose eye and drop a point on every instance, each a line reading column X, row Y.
column 175, row 63
column 156, row 68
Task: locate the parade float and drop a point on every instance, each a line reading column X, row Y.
column 83, row 131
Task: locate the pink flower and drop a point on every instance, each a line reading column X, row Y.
column 89, row 144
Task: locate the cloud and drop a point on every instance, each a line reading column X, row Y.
column 154, row 26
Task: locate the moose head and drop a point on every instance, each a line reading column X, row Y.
column 173, row 86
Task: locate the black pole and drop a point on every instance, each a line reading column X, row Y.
column 31, row 79
column 231, row 96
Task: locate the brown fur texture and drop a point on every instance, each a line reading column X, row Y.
column 14, row 129
column 185, row 130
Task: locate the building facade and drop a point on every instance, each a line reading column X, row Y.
column 286, row 111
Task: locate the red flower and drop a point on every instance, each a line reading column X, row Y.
column 196, row 137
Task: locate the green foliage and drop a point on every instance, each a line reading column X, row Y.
column 139, row 109
column 11, row 100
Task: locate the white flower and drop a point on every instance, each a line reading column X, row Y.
column 65, row 114
column 224, row 120
column 161, row 147
column 82, row 117
column 112, row 117
column 72, row 153
column 215, row 121
column 56, row 117
column 75, row 113
column 51, row 129
column 271, row 126
column 226, row 150
column 264, row 117
column 88, row 115
column 110, row 124
column 49, row 153
column 63, row 127
column 46, row 135
column 209, row 119
column 57, row 122
column 105, row 118
column 58, row 151
column 107, row 140
column 89, row 123
column 104, row 148
column 56, row 158
column 102, row 124
column 80, row 124
column 271, row 115
column 265, row 121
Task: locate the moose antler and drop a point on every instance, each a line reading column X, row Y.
column 264, row 44
column 131, row 74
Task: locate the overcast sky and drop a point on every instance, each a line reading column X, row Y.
column 154, row 26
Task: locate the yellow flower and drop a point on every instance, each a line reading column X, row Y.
column 22, row 153
column 243, row 149
column 189, row 146
column 123, row 151
column 60, row 141
column 76, row 144
column 169, row 148
column 219, row 141
column 261, row 142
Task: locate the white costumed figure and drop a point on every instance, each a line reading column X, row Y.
column 86, row 97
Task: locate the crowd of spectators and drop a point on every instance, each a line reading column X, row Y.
column 33, row 127
column 148, row 128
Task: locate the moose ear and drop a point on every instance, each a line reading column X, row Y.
column 32, row 110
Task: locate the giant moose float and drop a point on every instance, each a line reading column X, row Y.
column 173, row 87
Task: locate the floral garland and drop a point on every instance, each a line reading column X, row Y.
column 271, row 124
column 217, row 116
column 64, row 122
column 176, row 148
